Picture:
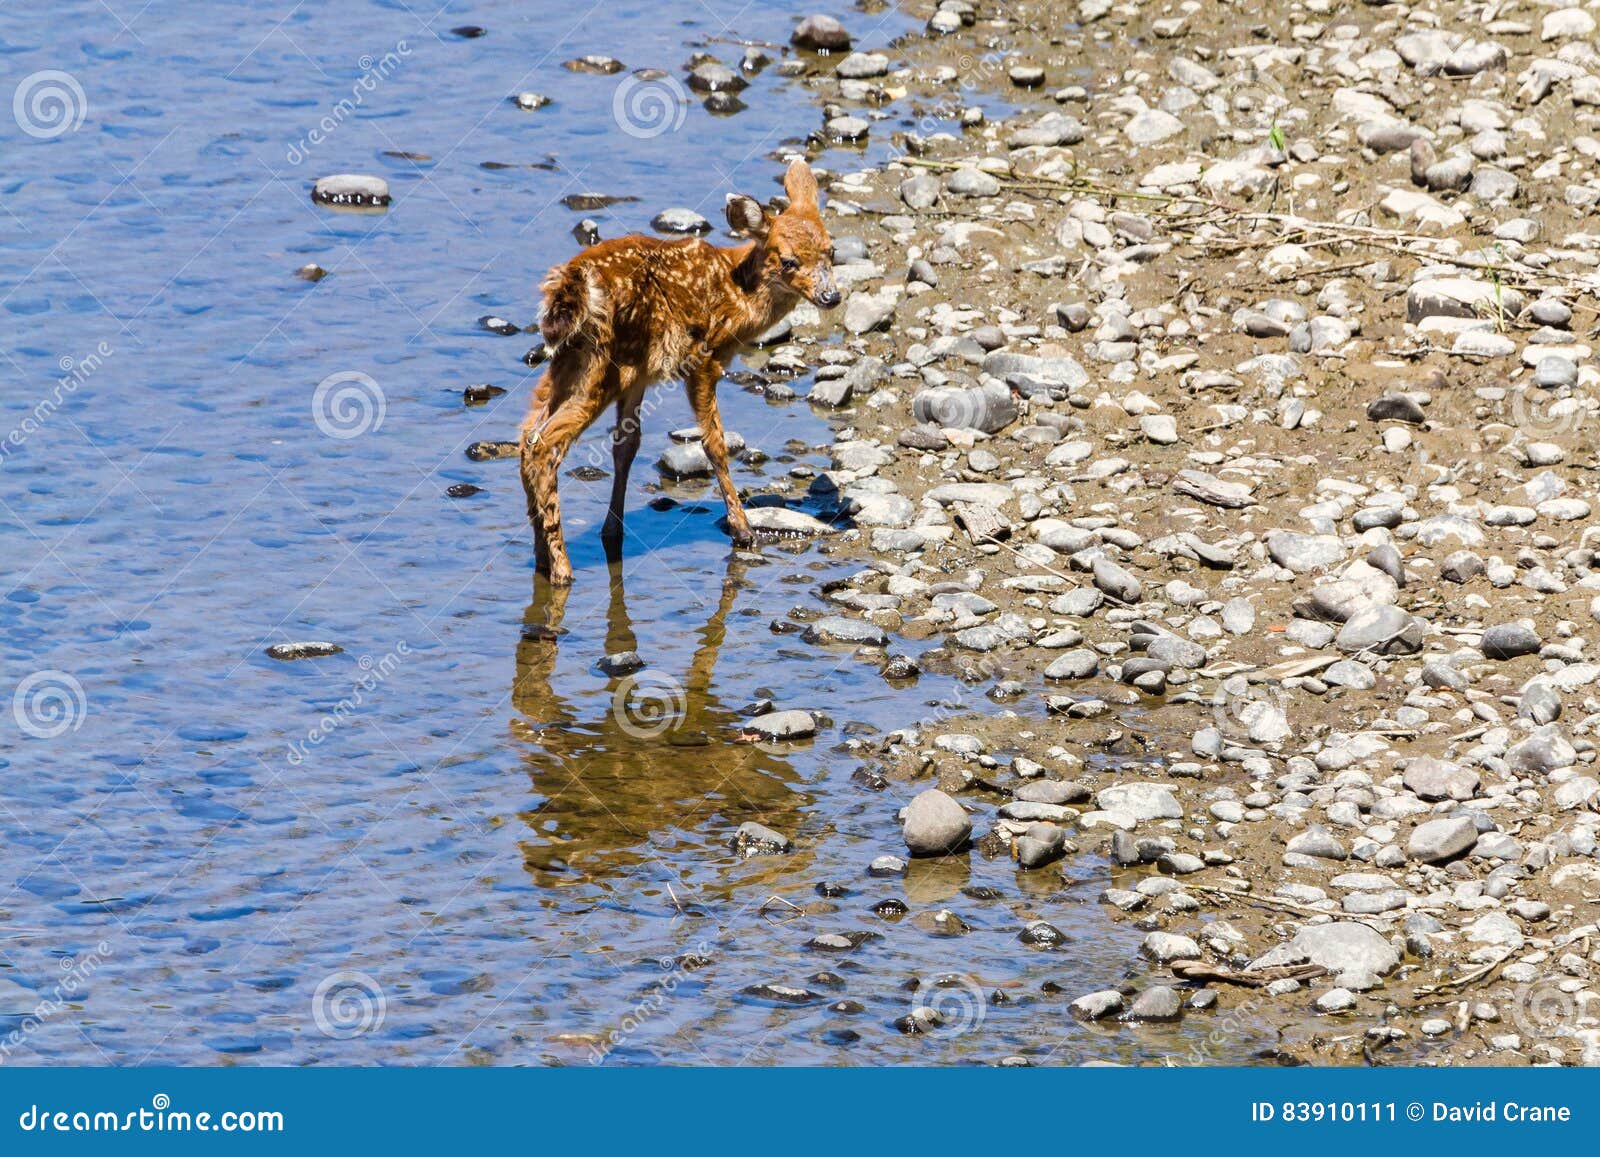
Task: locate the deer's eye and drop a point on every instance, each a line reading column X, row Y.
column 788, row 264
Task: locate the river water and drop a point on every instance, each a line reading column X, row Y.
column 448, row 843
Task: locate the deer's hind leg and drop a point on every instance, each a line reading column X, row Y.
column 572, row 395
column 624, row 446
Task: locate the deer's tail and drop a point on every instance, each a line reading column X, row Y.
column 573, row 305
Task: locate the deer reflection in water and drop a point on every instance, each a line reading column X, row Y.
column 631, row 768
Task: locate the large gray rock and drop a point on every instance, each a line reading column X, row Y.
column 936, row 825
column 1163, row 947
column 1509, row 640
column 1117, row 582
column 989, row 408
column 1544, row 751
column 1383, row 630
column 1303, row 553
column 1079, row 663
column 1356, row 954
column 1158, row 1004
column 1142, row 801
column 1443, row 839
column 1060, row 371
column 753, row 839
column 1461, row 297
column 1436, row 779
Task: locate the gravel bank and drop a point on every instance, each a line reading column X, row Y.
column 1226, row 418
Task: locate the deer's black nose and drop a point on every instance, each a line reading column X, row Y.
column 829, row 298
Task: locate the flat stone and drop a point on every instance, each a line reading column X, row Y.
column 1097, row 1005
column 1142, row 801
column 351, row 189
column 1303, row 553
column 778, row 725
column 1357, row 954
column 838, row 629
column 1437, row 779
column 1443, row 839
column 1164, row 947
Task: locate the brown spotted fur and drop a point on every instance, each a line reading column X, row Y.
column 626, row 314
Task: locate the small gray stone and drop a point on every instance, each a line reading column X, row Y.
column 1097, row 1005
column 753, row 839
column 1157, row 1004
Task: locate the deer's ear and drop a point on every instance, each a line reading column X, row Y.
column 746, row 215
column 801, row 185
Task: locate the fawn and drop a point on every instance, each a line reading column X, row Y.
column 626, row 314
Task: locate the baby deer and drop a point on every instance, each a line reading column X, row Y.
column 626, row 314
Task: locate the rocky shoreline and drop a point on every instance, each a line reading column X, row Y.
column 1225, row 418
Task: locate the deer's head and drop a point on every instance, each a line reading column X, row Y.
column 793, row 253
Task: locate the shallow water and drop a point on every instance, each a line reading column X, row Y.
column 452, row 842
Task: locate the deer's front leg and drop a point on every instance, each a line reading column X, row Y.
column 703, row 397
